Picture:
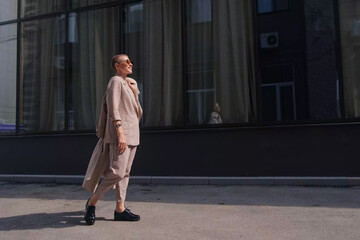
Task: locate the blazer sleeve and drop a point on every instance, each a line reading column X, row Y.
column 113, row 98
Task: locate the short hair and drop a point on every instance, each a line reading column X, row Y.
column 115, row 59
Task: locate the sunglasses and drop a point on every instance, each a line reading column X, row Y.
column 126, row 61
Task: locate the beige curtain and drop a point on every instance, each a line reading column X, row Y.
column 8, row 37
column 98, row 41
column 52, row 81
column 38, row 7
column 161, row 73
column 94, row 41
column 234, row 59
column 349, row 12
column 42, row 81
column 42, row 102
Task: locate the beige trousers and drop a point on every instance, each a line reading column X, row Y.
column 117, row 172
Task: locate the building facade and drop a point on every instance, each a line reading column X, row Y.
column 228, row 87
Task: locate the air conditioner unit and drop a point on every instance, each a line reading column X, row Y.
column 59, row 62
column 269, row 40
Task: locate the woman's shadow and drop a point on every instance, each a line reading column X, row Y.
column 43, row 220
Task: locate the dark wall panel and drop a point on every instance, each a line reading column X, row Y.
column 46, row 154
column 267, row 151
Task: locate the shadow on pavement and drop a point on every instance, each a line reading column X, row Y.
column 43, row 220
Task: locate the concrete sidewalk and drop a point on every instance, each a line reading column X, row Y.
column 49, row 211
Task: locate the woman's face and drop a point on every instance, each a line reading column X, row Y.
column 216, row 107
column 124, row 66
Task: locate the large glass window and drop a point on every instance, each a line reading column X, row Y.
column 201, row 91
column 349, row 12
column 8, row 40
column 221, row 83
column 38, row 7
column 8, row 10
column 322, row 87
column 197, row 62
column 94, row 39
column 154, row 40
column 299, row 78
column 42, row 75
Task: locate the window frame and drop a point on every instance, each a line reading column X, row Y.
column 274, row 8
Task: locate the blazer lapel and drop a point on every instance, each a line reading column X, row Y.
column 133, row 96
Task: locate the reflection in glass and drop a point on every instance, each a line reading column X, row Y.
column 200, row 91
column 133, row 28
column 198, row 11
column 94, row 39
column 8, row 10
column 42, row 75
column 8, row 78
column 287, row 103
column 304, row 61
column 265, row 6
column 322, row 75
column 83, row 3
column 277, row 93
column 277, row 73
column 269, row 106
column 39, row 7
column 215, row 117
column 349, row 12
column 282, row 4
column 134, row 13
column 220, row 69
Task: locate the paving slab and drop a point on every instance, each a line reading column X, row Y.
column 55, row 211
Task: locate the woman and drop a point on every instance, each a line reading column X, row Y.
column 215, row 117
column 118, row 130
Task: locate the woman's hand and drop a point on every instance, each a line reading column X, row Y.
column 121, row 136
column 122, row 143
column 133, row 88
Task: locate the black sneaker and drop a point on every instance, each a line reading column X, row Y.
column 89, row 215
column 126, row 216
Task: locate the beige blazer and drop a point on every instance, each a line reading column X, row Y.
column 96, row 166
column 120, row 102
